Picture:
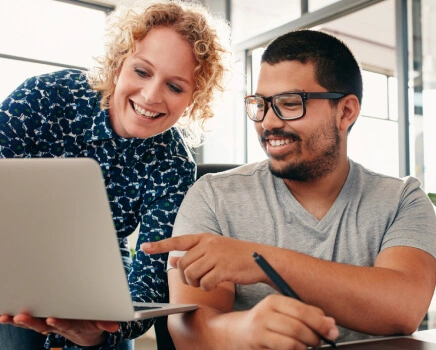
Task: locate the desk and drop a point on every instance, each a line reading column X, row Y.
column 423, row 340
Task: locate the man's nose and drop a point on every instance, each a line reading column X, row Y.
column 271, row 120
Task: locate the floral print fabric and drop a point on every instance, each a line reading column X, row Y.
column 59, row 115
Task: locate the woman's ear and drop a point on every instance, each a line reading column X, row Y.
column 350, row 107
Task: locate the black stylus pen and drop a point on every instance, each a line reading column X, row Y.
column 281, row 284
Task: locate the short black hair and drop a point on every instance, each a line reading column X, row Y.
column 336, row 69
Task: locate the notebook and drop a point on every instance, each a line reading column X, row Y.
column 390, row 344
column 58, row 248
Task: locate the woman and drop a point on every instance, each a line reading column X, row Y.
column 137, row 113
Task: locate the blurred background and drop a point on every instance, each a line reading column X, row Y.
column 391, row 39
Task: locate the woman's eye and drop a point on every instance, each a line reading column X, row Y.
column 141, row 73
column 175, row 88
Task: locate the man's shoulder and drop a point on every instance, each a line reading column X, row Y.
column 240, row 183
column 385, row 185
column 374, row 176
column 244, row 172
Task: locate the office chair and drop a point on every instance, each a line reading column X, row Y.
column 163, row 337
column 206, row 168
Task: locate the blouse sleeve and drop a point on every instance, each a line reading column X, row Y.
column 148, row 279
column 147, row 274
column 20, row 116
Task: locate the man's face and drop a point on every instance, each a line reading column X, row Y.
column 303, row 149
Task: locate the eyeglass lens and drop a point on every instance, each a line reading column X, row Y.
column 289, row 106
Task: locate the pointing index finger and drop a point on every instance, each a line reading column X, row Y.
column 181, row 243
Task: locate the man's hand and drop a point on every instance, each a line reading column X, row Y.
column 211, row 259
column 80, row 332
column 278, row 322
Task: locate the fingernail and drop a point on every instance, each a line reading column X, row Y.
column 146, row 245
column 333, row 333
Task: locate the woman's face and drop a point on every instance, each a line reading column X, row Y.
column 155, row 85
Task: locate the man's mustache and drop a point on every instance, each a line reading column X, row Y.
column 280, row 133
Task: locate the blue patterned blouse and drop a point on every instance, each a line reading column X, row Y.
column 59, row 115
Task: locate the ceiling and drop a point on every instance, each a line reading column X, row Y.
column 368, row 40
column 381, row 16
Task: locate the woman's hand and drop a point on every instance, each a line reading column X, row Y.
column 80, row 332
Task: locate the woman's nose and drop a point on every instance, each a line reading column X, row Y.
column 151, row 92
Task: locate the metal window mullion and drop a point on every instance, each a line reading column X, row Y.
column 388, row 92
column 32, row 60
column 304, row 6
column 91, row 5
column 249, row 74
column 401, row 33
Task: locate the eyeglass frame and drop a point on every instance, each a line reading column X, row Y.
column 304, row 97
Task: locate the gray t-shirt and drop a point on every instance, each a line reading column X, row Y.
column 372, row 212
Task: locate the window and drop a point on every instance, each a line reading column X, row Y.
column 250, row 18
column 318, row 4
column 376, row 129
column 46, row 36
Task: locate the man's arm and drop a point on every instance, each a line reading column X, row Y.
column 276, row 322
column 390, row 298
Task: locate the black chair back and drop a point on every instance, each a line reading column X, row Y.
column 206, row 168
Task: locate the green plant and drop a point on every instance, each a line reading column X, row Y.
column 432, row 197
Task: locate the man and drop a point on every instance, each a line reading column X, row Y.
column 356, row 246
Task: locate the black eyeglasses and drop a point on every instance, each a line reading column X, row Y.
column 286, row 105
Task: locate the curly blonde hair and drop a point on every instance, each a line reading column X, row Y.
column 207, row 35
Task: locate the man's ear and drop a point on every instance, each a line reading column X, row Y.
column 350, row 108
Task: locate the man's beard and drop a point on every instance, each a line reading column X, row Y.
column 324, row 163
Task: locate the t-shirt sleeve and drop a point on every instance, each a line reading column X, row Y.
column 415, row 222
column 196, row 213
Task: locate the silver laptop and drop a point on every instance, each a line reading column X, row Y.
column 59, row 255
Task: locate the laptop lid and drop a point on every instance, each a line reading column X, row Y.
column 59, row 252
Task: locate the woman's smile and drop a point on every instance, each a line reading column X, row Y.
column 145, row 113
